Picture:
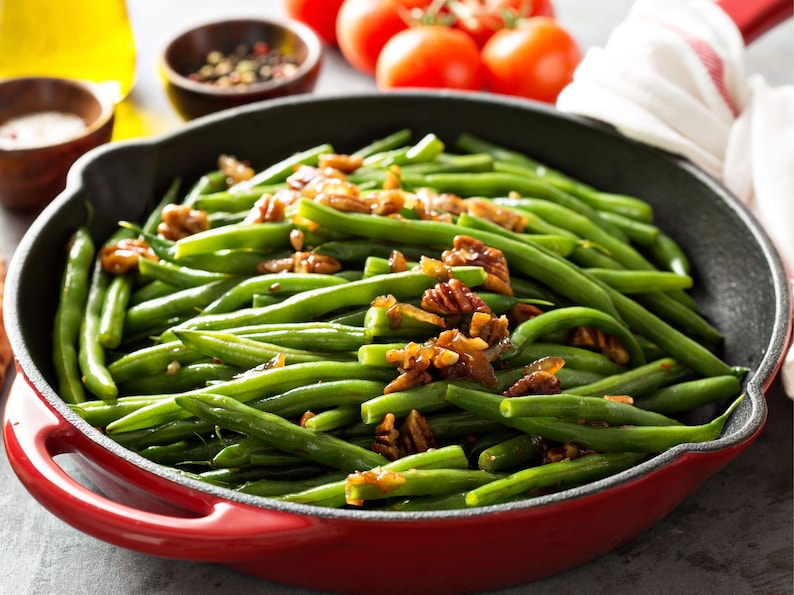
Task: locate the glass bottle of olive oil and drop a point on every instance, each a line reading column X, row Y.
column 81, row 39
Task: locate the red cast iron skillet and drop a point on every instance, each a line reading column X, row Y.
column 740, row 286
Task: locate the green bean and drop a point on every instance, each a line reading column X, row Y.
column 184, row 452
column 213, row 181
column 177, row 275
column 577, row 471
column 494, row 184
column 571, row 378
column 649, row 439
column 273, row 488
column 91, row 355
column 584, row 227
column 670, row 340
column 150, row 315
column 414, row 482
column 358, row 250
column 100, row 413
column 111, row 317
column 537, row 263
column 150, row 360
column 425, row 398
column 251, row 451
column 323, row 336
column 254, row 384
column 392, row 141
column 426, row 149
column 684, row 396
column 69, row 315
column 149, row 291
column 562, row 244
column 333, row 494
column 577, row 407
column 243, row 352
column 276, row 431
column 633, row 281
column 281, row 170
column 515, row 451
column 319, row 395
column 277, row 283
column 247, row 236
column 618, row 203
column 636, row 381
column 637, row 232
column 666, row 252
column 378, row 325
column 331, row 419
column 179, row 378
column 569, row 317
column 682, row 317
column 575, row 357
column 318, row 302
column 232, row 262
column 226, row 201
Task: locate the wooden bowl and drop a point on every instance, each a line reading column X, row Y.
column 187, row 52
column 32, row 175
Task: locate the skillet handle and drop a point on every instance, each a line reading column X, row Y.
column 200, row 526
column 756, row 17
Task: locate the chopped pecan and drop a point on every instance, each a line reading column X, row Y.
column 539, row 378
column 467, row 250
column 416, row 434
column 393, row 179
column 494, row 330
column 340, row 162
column 434, row 268
column 506, row 218
column 385, row 202
column 266, row 209
column 341, row 202
column 305, row 416
column 234, row 170
column 313, row 181
column 522, row 312
column 625, row 399
column 397, row 262
column 568, row 451
column 598, row 340
column 179, row 221
column 453, row 297
column 386, row 441
column 301, row 262
column 472, row 361
column 438, row 207
column 296, row 239
column 123, row 256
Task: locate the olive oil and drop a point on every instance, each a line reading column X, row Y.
column 81, row 39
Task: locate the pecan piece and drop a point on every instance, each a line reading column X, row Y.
column 123, row 256
column 453, row 297
column 385, row 202
column 340, row 162
column 386, row 441
column 266, row 209
column 495, row 214
column 301, row 262
column 539, row 378
column 467, row 250
column 598, row 340
column 179, row 221
column 234, row 170
column 416, row 434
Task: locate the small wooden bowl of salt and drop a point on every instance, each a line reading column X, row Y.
column 45, row 125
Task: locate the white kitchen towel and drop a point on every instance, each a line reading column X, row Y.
column 672, row 74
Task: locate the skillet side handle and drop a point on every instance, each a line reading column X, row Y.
column 213, row 529
column 756, row 17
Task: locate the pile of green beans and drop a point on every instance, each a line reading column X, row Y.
column 195, row 360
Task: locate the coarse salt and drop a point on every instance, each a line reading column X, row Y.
column 40, row 129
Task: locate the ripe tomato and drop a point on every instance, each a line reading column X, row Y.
column 320, row 15
column 535, row 59
column 364, row 26
column 482, row 18
column 430, row 56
